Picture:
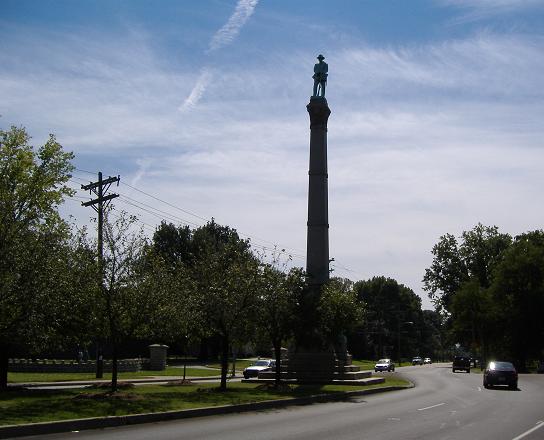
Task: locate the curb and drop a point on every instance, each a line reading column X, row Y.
column 41, row 428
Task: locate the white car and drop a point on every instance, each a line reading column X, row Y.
column 384, row 365
column 427, row 361
column 258, row 366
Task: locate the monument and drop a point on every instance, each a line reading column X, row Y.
column 317, row 245
column 312, row 358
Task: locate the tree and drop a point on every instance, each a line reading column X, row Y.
column 479, row 252
column 518, row 291
column 226, row 274
column 472, row 316
column 340, row 311
column 279, row 294
column 174, row 244
column 132, row 294
column 32, row 186
column 390, row 306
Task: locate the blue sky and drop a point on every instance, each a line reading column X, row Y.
column 436, row 118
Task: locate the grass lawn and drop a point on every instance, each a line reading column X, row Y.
column 28, row 406
column 365, row 364
column 54, row 377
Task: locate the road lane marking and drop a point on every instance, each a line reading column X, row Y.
column 429, row 407
column 539, row 425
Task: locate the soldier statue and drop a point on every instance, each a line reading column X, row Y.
column 320, row 77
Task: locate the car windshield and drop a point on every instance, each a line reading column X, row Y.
column 383, row 361
column 500, row 366
column 261, row 364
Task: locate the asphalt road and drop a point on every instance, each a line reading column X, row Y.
column 443, row 405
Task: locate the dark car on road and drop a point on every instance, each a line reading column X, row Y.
column 501, row 373
column 461, row 363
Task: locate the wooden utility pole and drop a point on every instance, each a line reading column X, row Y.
column 99, row 188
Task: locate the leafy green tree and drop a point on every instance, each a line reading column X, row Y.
column 518, row 291
column 32, row 186
column 132, row 294
column 339, row 311
column 473, row 317
column 226, row 274
column 174, row 244
column 278, row 297
column 454, row 263
column 393, row 316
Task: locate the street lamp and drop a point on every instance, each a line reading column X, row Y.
column 398, row 341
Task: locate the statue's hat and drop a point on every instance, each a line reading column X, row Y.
column 320, row 57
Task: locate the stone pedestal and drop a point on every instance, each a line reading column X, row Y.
column 312, row 366
column 157, row 357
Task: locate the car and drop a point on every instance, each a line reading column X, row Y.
column 427, row 361
column 384, row 365
column 540, row 367
column 260, row 365
column 500, row 373
column 461, row 363
column 417, row 361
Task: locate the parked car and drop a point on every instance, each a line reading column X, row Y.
column 427, row 361
column 500, row 373
column 540, row 367
column 258, row 366
column 417, row 361
column 461, row 363
column 384, row 365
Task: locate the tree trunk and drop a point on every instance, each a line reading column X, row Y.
column 224, row 361
column 277, row 354
column 99, row 361
column 3, row 367
column 114, row 369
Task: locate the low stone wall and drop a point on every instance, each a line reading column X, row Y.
column 62, row 366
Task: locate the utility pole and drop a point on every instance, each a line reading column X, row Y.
column 99, row 188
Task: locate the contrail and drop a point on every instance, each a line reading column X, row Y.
column 232, row 27
column 224, row 36
column 199, row 88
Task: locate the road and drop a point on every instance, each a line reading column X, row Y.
column 442, row 406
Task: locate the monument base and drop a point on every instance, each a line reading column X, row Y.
column 322, row 367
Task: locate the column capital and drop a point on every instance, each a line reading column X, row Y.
column 319, row 111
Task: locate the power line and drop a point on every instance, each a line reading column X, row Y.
column 167, row 203
column 149, row 209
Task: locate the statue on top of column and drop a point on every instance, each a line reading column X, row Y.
column 320, row 77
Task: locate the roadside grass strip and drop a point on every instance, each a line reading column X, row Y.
column 65, row 377
column 33, row 405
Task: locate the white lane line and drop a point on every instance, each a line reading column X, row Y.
column 539, row 425
column 429, row 407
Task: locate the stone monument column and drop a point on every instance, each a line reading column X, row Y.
column 313, row 360
column 317, row 251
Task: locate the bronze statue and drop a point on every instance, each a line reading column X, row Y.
column 320, row 77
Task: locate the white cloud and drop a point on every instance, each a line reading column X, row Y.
column 230, row 30
column 423, row 140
